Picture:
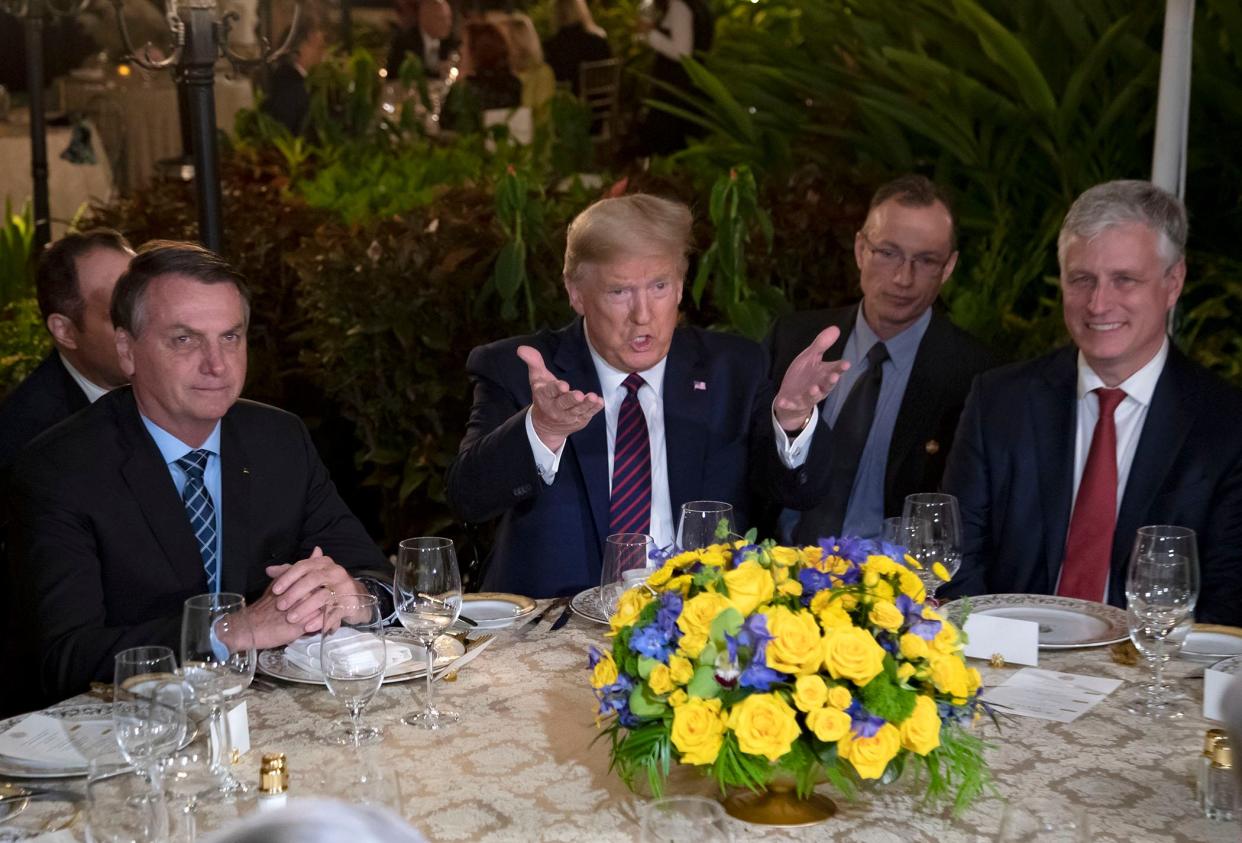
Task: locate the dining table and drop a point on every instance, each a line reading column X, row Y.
column 525, row 761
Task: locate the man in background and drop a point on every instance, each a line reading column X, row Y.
column 288, row 100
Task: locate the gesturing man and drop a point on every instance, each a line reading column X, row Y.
column 611, row 423
column 173, row 487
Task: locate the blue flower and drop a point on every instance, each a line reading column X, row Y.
column 917, row 624
column 851, row 549
column 662, row 554
column 893, row 551
column 889, row 644
column 652, row 642
column 862, row 723
column 813, row 581
column 593, row 657
column 666, row 617
column 759, row 676
column 615, row 697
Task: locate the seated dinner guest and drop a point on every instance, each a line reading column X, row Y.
column 611, row 423
column 577, row 39
column 174, row 487
column 1060, row 460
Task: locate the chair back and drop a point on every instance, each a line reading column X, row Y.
column 599, row 86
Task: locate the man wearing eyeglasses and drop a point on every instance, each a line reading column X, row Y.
column 870, row 394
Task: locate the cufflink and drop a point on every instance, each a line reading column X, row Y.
column 932, row 446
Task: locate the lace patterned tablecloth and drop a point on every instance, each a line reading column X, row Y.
column 520, row 765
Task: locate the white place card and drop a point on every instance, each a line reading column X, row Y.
column 1016, row 641
column 1049, row 695
column 1215, row 685
column 239, row 728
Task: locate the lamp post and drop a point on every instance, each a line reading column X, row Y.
column 200, row 36
column 34, row 13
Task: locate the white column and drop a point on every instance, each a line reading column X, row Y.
column 1168, row 164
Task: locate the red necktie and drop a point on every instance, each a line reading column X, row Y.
column 1089, row 547
column 630, row 509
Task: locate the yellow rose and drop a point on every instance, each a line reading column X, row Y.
column 628, row 608
column 660, row 681
column 829, row 611
column 785, row 556
column 604, row 673
column 871, row 755
column 878, row 588
column 947, row 640
column 911, row 586
column 848, row 601
column 973, row 680
column 696, row 618
column 811, row 556
column 765, row 725
column 692, row 644
column 698, row 730
column 681, row 584
column 881, row 565
column 680, row 670
column 678, row 697
column 852, row 654
column 920, row 733
column 886, row 615
column 790, row 588
column 839, row 697
column 913, row 648
column 713, row 557
column 828, row 724
column 662, row 575
column 796, row 646
column 904, row 671
column 750, row 585
column 810, row 693
column 948, row 674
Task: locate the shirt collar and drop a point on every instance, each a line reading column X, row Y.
column 1140, row 386
column 172, row 448
column 93, row 390
column 902, row 347
column 610, row 379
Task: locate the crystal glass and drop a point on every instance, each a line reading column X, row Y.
column 353, row 659
column 676, row 819
column 622, row 552
column 704, row 523
column 121, row 807
column 1043, row 821
column 218, row 660
column 933, row 531
column 427, row 591
column 1162, row 587
column 149, row 705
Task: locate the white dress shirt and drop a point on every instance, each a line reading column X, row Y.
column 92, row 390
column 679, row 40
column 651, row 399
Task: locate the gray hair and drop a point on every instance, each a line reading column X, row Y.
column 1123, row 202
column 635, row 226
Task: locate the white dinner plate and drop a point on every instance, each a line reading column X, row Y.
column 1210, row 642
column 273, row 662
column 588, row 605
column 84, row 713
column 1231, row 665
column 1065, row 623
column 494, row 610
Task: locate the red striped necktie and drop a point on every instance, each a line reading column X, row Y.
column 630, row 509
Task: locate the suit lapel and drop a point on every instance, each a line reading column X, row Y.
column 235, row 489
column 1053, row 403
column 687, row 405
column 75, row 398
column 572, row 363
column 151, row 484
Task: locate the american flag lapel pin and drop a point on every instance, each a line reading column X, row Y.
column 700, row 386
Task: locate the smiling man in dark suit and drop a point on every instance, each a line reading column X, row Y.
column 611, row 423
column 1061, row 459
column 870, row 394
column 174, row 487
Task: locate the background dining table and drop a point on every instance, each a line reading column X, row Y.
column 522, row 766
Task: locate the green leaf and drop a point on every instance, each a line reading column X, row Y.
column 1003, row 48
column 646, row 665
column 644, row 704
column 704, row 683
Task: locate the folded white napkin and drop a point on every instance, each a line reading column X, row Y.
column 362, row 649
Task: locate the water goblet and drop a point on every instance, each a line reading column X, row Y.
column 674, row 819
column 934, row 531
column 427, row 591
column 353, row 658
column 121, row 807
column 622, row 552
column 704, row 523
column 149, row 705
column 1043, row 821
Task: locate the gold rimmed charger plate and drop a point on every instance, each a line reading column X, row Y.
column 1210, row 642
column 495, row 609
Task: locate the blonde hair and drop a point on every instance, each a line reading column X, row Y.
column 524, row 48
column 636, row 226
column 568, row 12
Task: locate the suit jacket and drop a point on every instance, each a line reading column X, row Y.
column 411, row 41
column 550, row 538
column 947, row 360
column 103, row 549
column 47, row 396
column 287, row 99
column 1012, row 471
column 569, row 48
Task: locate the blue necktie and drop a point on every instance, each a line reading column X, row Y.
column 202, row 512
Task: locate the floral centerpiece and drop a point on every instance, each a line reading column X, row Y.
column 758, row 662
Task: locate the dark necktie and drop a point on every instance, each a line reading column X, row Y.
column 630, row 509
column 849, row 436
column 1089, row 546
column 201, row 512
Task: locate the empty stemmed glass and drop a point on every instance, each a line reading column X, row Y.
column 148, row 709
column 623, row 552
column 933, row 535
column 353, row 658
column 1162, row 587
column 427, row 591
column 218, row 660
column 704, row 523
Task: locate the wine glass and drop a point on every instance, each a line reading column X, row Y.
column 622, row 552
column 933, row 530
column 121, row 808
column 674, row 819
column 353, row 658
column 218, row 660
column 427, row 590
column 148, row 708
column 1162, row 587
column 1043, row 821
column 704, row 523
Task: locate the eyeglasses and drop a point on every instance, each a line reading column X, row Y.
column 926, row 267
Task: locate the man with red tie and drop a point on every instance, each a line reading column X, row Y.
column 609, row 424
column 1058, row 461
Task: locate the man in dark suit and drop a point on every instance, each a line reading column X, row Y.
column 425, row 31
column 1060, row 460
column 610, row 424
column 174, row 487
column 73, row 284
column 870, row 394
column 287, row 100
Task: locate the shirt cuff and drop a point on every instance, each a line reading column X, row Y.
column 793, row 453
column 547, row 461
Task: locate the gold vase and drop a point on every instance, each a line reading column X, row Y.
column 780, row 805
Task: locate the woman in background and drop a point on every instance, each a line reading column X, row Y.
column 488, row 83
column 684, row 27
column 578, row 39
column 538, row 80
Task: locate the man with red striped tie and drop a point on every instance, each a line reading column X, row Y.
column 611, row 423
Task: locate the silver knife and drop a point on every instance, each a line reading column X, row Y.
column 564, row 618
column 539, row 617
column 464, row 659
